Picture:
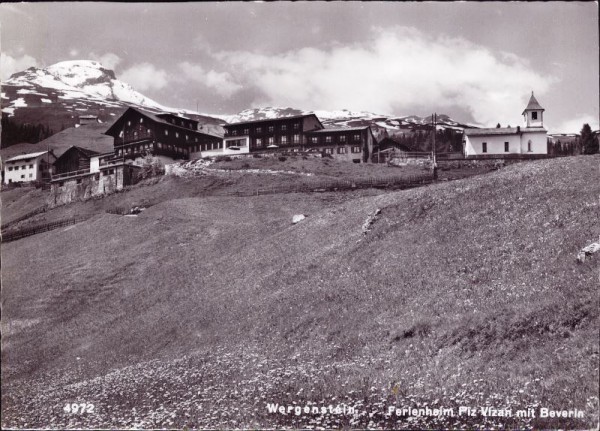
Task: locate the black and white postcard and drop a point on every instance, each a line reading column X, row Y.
column 300, row 215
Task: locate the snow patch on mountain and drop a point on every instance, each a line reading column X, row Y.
column 19, row 103
column 81, row 80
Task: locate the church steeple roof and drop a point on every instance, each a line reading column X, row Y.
column 533, row 105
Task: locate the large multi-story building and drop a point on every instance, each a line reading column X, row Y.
column 349, row 143
column 167, row 136
column 298, row 133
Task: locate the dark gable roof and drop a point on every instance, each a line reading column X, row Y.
column 533, row 105
column 390, row 143
column 267, row 120
column 117, row 127
column 86, row 152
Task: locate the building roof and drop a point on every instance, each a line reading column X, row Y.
column 116, row 128
column 502, row 131
column 180, row 117
column 493, row 131
column 264, row 120
column 86, row 152
column 339, row 129
column 26, row 156
column 389, row 143
column 533, row 105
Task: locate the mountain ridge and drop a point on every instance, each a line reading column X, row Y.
column 59, row 94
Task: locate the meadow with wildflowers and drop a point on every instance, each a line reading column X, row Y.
column 201, row 311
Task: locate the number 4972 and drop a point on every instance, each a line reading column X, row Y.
column 78, row 408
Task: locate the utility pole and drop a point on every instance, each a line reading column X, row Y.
column 434, row 121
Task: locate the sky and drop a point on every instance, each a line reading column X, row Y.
column 475, row 61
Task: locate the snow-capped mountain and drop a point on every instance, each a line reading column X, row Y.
column 380, row 123
column 71, row 84
column 57, row 95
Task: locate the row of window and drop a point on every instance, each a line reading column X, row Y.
column 270, row 129
column 136, row 135
column 16, row 168
column 187, row 138
column 207, row 147
column 181, row 123
column 171, row 147
column 284, row 140
column 329, row 138
column 342, row 150
column 26, row 161
column 484, row 148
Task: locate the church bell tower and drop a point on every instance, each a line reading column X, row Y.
column 533, row 115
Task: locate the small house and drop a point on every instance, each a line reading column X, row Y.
column 29, row 167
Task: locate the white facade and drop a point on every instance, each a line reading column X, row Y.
column 27, row 167
column 236, row 145
column 95, row 163
column 506, row 141
column 531, row 139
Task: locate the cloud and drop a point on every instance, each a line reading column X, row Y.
column 15, row 9
column 73, row 52
column 394, row 71
column 575, row 124
column 108, row 60
column 10, row 65
column 144, row 76
column 222, row 82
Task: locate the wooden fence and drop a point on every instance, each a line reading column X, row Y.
column 118, row 210
column 22, row 233
column 338, row 185
column 23, row 217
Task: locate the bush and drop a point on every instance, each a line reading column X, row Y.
column 282, row 159
column 151, row 167
column 222, row 159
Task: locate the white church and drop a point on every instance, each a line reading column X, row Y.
column 531, row 139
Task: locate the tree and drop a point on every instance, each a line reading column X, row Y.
column 589, row 142
column 498, row 126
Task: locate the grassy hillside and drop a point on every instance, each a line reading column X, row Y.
column 203, row 309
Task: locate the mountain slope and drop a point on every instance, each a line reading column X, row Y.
column 57, row 95
column 463, row 293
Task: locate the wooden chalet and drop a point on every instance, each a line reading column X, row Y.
column 388, row 142
column 73, row 160
column 137, row 133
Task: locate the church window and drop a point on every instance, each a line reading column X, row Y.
column 529, row 146
column 534, row 115
column 506, row 145
column 484, row 147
